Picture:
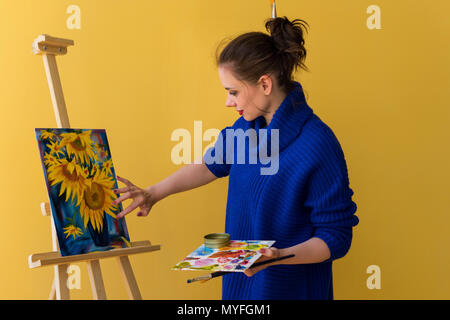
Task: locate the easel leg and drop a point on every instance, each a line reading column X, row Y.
column 95, row 276
column 129, row 279
column 56, row 93
column 52, row 295
column 60, row 282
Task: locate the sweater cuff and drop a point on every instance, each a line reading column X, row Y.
column 337, row 239
column 217, row 169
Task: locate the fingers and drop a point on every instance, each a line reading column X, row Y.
column 128, row 209
column 123, row 197
column 121, row 190
column 128, row 183
column 269, row 252
column 130, row 191
column 252, row 271
column 142, row 213
column 266, row 254
column 249, row 272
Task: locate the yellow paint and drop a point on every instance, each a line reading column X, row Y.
column 141, row 69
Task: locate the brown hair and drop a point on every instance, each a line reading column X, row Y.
column 254, row 54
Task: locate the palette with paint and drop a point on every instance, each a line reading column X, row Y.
column 237, row 256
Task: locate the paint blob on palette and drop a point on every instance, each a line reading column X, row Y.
column 238, row 256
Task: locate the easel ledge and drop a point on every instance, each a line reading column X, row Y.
column 37, row 260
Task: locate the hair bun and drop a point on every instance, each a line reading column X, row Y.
column 287, row 35
column 276, row 44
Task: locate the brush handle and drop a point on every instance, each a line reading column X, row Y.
column 219, row 273
column 257, row 264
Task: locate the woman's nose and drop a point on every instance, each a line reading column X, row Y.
column 230, row 103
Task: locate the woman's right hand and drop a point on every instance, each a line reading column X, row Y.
column 142, row 198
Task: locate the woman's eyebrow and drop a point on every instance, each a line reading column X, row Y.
column 228, row 88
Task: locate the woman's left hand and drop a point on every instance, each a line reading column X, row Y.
column 267, row 253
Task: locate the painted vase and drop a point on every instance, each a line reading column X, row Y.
column 100, row 238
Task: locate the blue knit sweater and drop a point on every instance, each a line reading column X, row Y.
column 308, row 196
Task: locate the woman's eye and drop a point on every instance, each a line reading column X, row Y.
column 233, row 93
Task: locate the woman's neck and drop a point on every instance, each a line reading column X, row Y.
column 276, row 100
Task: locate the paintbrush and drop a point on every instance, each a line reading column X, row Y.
column 221, row 273
column 274, row 9
column 208, row 276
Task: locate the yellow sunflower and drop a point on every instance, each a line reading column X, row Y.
column 72, row 230
column 95, row 168
column 107, row 165
column 97, row 200
column 79, row 144
column 50, row 160
column 45, row 134
column 55, row 148
column 72, row 177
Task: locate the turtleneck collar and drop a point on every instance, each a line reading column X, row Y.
column 289, row 118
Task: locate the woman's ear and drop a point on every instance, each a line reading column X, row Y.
column 266, row 84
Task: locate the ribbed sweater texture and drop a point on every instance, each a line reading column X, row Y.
column 309, row 196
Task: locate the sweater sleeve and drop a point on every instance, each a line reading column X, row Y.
column 329, row 197
column 215, row 157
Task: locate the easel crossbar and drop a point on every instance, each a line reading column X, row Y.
column 37, row 260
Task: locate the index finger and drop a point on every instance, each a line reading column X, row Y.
column 128, row 183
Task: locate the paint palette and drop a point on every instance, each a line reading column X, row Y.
column 237, row 256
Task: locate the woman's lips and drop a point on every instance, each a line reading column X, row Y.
column 241, row 112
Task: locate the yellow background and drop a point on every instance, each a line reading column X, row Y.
column 141, row 69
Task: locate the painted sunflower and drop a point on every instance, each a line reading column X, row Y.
column 50, row 160
column 95, row 168
column 47, row 134
column 72, row 230
column 97, row 200
column 72, row 177
column 80, row 145
column 55, row 148
column 106, row 167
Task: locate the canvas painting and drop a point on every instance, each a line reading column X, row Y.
column 80, row 179
column 238, row 256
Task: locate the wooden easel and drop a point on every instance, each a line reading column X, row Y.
column 49, row 47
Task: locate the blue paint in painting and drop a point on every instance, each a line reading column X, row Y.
column 67, row 213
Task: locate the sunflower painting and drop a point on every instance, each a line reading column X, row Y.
column 80, row 177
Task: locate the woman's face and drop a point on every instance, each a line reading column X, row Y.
column 251, row 101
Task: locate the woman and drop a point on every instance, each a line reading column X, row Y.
column 305, row 203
